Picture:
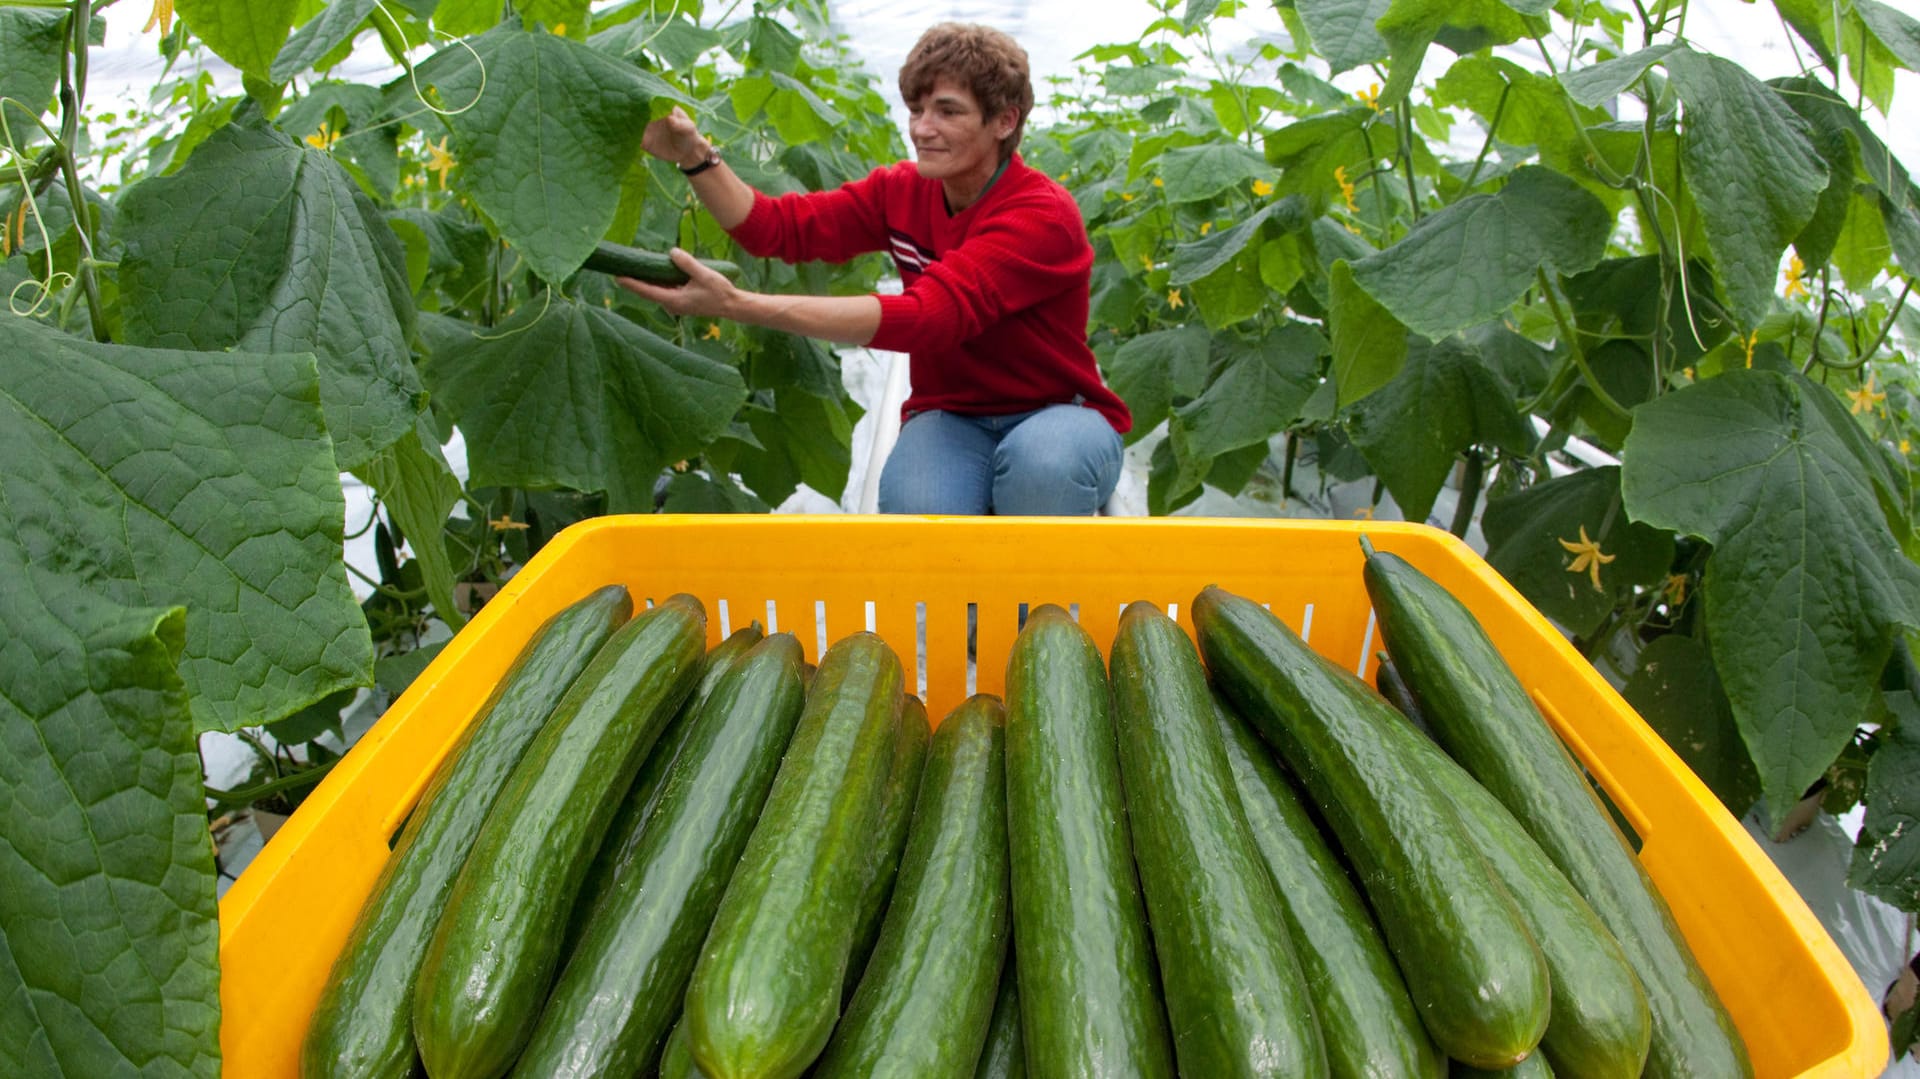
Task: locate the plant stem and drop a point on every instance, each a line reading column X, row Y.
column 1286, row 469
column 1470, row 479
column 1486, row 145
column 1568, row 332
column 1404, row 115
column 73, row 89
column 306, row 777
column 1379, row 197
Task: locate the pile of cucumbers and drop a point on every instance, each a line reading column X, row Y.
column 1206, row 858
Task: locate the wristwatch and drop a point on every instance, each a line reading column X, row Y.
column 713, row 158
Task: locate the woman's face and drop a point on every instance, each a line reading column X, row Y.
column 952, row 139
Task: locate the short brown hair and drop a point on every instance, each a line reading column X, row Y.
column 986, row 61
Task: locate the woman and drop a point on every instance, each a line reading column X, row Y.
column 1008, row 412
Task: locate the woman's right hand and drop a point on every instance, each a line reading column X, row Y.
column 674, row 139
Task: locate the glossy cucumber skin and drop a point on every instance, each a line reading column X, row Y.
column 1599, row 1026
column 925, row 1002
column 896, row 816
column 676, row 1059
column 1004, row 1056
column 766, row 991
column 497, row 945
column 1089, row 990
column 1534, row 1067
column 1477, row 980
column 362, row 1025
column 1368, row 1020
column 652, row 267
column 622, row 987
column 623, row 834
column 1483, row 717
column 1236, row 999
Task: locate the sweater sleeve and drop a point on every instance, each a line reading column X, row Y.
column 1021, row 257
column 829, row 226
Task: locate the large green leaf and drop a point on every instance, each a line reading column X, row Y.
column 262, row 244
column 245, row 33
column 1200, row 258
column 806, row 439
column 544, row 142
column 1898, row 31
column 1887, row 861
column 1257, row 391
column 1465, row 26
column 573, row 395
column 203, row 480
column 1369, row 344
column 336, row 23
column 1443, row 400
column 1753, row 172
column 1469, row 262
column 1343, row 33
column 108, row 932
column 418, row 489
column 30, row 57
column 1195, row 173
column 1807, row 584
column 1596, row 85
column 1527, row 533
column 1677, row 691
column 1156, row 371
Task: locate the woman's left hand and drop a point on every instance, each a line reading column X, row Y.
column 706, row 294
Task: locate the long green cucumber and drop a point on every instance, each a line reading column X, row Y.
column 1004, row 1056
column 1089, row 989
column 896, row 816
column 653, row 267
column 926, row 999
column 623, row 833
column 1236, row 998
column 1481, row 714
column 622, row 988
column 497, row 944
column 1371, row 1028
column 1599, row 1026
column 361, row 1027
column 766, row 990
column 1474, row 974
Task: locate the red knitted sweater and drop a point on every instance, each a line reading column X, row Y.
column 993, row 315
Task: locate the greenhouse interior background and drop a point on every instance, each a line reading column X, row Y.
column 1056, row 34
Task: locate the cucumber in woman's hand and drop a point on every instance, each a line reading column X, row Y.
column 653, row 267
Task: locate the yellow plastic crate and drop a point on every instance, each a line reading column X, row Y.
column 1794, row 996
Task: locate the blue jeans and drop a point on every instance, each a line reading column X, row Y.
column 1058, row 461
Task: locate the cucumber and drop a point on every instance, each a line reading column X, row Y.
column 926, row 999
column 652, row 267
column 497, row 944
column 1599, row 1025
column 621, row 990
column 1480, row 713
column 1366, row 1017
column 1534, row 1067
column 1475, row 976
column 623, row 834
column 1235, row 996
column 676, row 1059
column 766, row 990
column 1089, row 990
column 896, row 815
column 361, row 1025
column 1004, row 1057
